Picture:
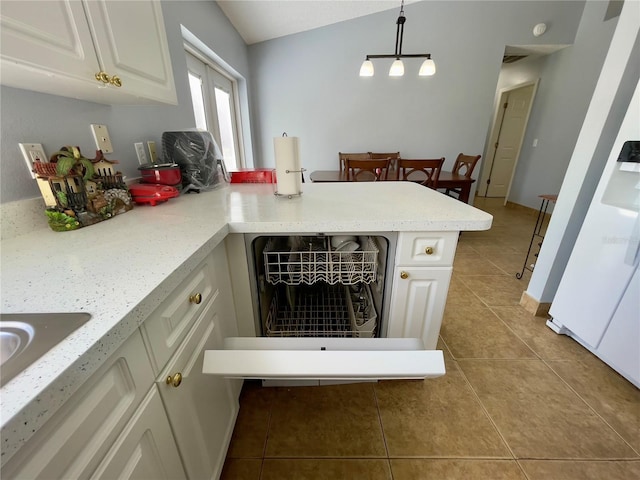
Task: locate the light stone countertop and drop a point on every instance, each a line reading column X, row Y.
column 119, row 270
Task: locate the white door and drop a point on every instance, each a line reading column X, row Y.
column 146, row 449
column 215, row 106
column 131, row 43
column 301, row 358
column 620, row 345
column 508, row 133
column 418, row 298
column 202, row 409
column 51, row 36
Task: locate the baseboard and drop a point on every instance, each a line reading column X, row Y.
column 533, row 306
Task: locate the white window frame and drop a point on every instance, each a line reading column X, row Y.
column 210, row 82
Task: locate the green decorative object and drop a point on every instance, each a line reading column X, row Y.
column 61, row 222
column 70, row 158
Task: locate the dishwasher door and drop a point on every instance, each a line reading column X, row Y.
column 324, row 359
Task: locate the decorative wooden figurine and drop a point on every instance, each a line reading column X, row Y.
column 85, row 191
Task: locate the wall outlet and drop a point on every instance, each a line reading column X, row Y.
column 33, row 152
column 142, row 155
column 152, row 151
column 101, row 137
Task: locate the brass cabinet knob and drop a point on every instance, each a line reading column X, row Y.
column 176, row 380
column 103, row 77
column 428, row 250
column 404, row 275
column 197, row 298
column 115, row 81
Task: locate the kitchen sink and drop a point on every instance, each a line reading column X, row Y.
column 25, row 337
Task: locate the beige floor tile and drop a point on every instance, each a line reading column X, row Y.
column 541, row 339
column 241, row 469
column 580, row 470
column 476, row 332
column 495, row 290
column 538, row 415
column 460, row 294
column 510, row 264
column 474, row 264
column 405, row 469
column 435, row 418
column 327, row 421
column 609, row 394
column 250, row 432
column 325, row 469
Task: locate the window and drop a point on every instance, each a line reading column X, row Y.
column 214, row 99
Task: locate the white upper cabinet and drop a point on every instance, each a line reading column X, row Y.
column 59, row 47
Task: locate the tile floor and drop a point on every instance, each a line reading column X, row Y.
column 517, row 402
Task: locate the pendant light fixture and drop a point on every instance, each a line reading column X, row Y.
column 428, row 67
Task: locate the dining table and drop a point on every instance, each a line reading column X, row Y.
column 446, row 179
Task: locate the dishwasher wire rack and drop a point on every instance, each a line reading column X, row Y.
column 310, row 260
column 320, row 310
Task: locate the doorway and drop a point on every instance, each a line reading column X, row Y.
column 506, row 139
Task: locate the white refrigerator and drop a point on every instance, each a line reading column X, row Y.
column 598, row 300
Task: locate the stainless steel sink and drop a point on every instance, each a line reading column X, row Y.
column 25, row 337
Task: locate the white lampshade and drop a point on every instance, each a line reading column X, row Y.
column 427, row 68
column 366, row 69
column 397, row 69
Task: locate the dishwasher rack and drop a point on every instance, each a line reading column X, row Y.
column 307, row 260
column 321, row 310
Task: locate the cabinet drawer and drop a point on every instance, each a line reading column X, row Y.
column 167, row 326
column 74, row 440
column 426, row 248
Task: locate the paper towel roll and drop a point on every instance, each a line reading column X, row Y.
column 288, row 176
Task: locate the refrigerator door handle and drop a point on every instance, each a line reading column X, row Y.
column 632, row 255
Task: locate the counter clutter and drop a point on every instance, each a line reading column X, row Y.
column 119, row 271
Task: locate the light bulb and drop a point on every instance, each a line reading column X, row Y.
column 397, row 69
column 427, row 68
column 366, row 70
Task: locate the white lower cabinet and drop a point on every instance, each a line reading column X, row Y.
column 202, row 409
column 145, row 449
column 417, row 303
column 423, row 267
column 76, row 439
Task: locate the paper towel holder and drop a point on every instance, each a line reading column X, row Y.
column 287, row 171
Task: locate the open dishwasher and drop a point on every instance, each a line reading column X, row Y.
column 320, row 309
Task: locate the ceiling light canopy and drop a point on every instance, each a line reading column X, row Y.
column 427, row 69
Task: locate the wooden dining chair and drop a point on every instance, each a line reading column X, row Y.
column 354, row 156
column 367, row 170
column 394, row 156
column 425, row 171
column 464, row 165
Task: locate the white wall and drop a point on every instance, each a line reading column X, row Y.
column 307, row 84
column 56, row 121
column 611, row 99
column 567, row 81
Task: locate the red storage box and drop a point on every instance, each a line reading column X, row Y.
column 254, row 175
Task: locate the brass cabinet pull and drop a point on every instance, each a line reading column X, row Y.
column 428, row 250
column 103, row 77
column 197, row 298
column 404, row 275
column 176, row 380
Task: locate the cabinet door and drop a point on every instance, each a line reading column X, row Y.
column 417, row 303
column 76, row 438
column 201, row 408
column 46, row 39
column 131, row 43
column 145, row 449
